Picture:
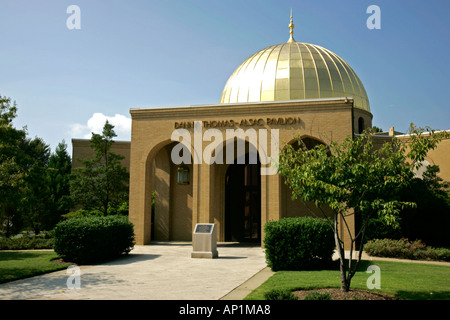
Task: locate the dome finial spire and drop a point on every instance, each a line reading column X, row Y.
column 291, row 32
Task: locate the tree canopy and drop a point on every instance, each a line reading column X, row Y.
column 12, row 174
column 26, row 185
column 102, row 182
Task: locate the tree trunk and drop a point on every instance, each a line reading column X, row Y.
column 345, row 280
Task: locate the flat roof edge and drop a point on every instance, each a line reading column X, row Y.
column 242, row 103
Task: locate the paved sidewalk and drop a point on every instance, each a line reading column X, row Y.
column 365, row 256
column 154, row 272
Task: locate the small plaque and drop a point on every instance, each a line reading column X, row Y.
column 203, row 228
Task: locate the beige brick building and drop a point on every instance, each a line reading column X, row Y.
column 282, row 92
column 238, row 198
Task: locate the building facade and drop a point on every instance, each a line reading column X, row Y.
column 217, row 163
column 280, row 93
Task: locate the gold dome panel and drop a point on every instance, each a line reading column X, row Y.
column 292, row 71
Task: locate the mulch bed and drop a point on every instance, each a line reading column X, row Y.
column 337, row 294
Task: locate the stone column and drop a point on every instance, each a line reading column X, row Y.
column 271, row 200
column 201, row 184
column 140, row 200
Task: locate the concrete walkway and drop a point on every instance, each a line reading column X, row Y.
column 365, row 256
column 154, row 272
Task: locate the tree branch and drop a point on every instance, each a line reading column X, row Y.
column 325, row 219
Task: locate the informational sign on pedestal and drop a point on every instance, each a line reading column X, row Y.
column 204, row 241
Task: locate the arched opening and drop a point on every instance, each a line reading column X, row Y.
column 295, row 207
column 360, row 125
column 308, row 142
column 171, row 214
column 243, row 202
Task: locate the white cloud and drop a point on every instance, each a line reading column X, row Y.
column 121, row 123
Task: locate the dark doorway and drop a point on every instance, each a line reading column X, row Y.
column 360, row 125
column 243, row 203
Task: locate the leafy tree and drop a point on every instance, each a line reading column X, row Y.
column 377, row 129
column 11, row 184
column 12, row 175
column 436, row 183
column 35, row 154
column 59, row 170
column 9, row 136
column 429, row 221
column 32, row 181
column 354, row 178
column 102, row 182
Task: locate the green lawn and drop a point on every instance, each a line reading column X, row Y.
column 21, row 264
column 416, row 281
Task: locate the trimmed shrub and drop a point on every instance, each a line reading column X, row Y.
column 404, row 249
column 93, row 239
column 301, row 243
column 280, row 294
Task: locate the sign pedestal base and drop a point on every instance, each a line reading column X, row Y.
column 204, row 241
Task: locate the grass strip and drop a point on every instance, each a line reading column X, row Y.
column 16, row 265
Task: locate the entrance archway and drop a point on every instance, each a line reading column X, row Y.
column 243, row 202
column 171, row 215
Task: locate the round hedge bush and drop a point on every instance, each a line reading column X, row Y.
column 301, row 243
column 93, row 239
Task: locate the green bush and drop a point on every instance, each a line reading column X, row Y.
column 405, row 249
column 121, row 209
column 93, row 239
column 280, row 294
column 298, row 244
column 314, row 295
column 26, row 242
column 81, row 213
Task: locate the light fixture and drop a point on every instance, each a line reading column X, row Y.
column 183, row 174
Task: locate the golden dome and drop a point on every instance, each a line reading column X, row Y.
column 294, row 70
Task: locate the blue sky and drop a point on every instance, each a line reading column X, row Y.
column 148, row 53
